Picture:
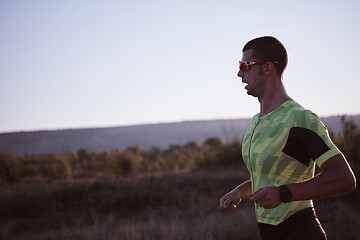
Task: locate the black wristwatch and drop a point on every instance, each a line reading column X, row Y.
column 285, row 194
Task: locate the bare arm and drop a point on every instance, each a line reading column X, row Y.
column 336, row 178
column 234, row 197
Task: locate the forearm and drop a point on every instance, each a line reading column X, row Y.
column 245, row 189
column 334, row 179
column 234, row 197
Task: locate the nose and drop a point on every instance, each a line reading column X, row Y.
column 240, row 73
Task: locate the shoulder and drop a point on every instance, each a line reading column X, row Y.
column 302, row 117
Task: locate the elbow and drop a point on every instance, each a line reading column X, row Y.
column 350, row 183
column 353, row 184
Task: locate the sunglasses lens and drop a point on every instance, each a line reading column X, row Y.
column 243, row 66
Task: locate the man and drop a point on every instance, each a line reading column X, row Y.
column 281, row 149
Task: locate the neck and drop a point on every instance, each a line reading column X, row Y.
column 274, row 96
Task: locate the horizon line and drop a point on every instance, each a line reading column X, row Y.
column 142, row 124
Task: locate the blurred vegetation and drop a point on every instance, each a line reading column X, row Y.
column 131, row 162
column 133, row 194
column 85, row 164
column 348, row 141
column 166, row 207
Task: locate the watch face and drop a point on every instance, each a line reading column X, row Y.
column 286, row 196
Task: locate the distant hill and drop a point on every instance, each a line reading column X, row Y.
column 145, row 136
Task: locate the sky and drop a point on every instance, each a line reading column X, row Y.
column 86, row 63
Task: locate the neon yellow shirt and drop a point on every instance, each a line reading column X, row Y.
column 283, row 147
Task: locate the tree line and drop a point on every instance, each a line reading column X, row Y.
column 133, row 161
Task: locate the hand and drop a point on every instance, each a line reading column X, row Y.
column 268, row 197
column 230, row 200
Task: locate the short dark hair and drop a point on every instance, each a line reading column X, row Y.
column 269, row 49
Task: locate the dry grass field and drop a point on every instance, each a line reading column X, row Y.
column 173, row 206
column 168, row 206
column 170, row 194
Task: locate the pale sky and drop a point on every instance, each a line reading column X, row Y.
column 86, row 63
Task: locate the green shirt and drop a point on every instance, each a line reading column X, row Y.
column 282, row 147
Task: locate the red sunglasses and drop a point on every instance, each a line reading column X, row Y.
column 245, row 65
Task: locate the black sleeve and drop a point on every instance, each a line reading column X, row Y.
column 304, row 144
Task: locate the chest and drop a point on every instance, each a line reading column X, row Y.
column 265, row 141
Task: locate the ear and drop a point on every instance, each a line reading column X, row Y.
column 269, row 69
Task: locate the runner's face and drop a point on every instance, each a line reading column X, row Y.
column 253, row 77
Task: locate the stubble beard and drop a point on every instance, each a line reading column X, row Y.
column 253, row 92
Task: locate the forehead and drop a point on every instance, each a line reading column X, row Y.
column 248, row 55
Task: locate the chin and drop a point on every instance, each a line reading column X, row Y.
column 250, row 93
